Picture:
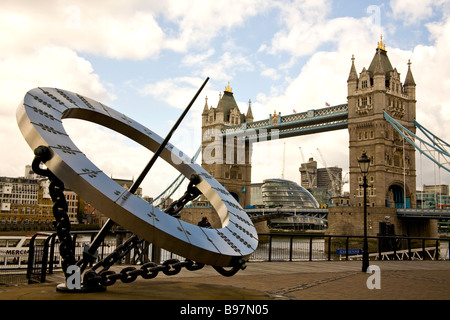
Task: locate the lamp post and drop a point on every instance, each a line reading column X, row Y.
column 364, row 164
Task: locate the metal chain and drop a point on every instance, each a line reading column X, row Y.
column 60, row 208
column 148, row 270
column 191, row 193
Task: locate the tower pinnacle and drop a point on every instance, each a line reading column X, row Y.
column 228, row 88
column 381, row 44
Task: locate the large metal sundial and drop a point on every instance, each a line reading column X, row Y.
column 40, row 116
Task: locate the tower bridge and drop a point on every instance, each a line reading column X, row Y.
column 374, row 97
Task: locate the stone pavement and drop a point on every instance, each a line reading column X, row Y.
column 309, row 280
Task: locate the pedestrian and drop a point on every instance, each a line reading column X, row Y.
column 204, row 223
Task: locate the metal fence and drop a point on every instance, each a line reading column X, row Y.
column 309, row 247
column 44, row 258
column 41, row 257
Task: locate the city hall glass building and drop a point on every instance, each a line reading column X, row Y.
column 285, row 193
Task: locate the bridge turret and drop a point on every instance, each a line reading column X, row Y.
column 352, row 81
column 392, row 170
column 410, row 84
column 227, row 160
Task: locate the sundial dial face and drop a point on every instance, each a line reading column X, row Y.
column 40, row 116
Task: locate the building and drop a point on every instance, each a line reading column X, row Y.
column 288, row 194
column 285, row 193
column 434, row 197
column 72, row 200
column 392, row 173
column 227, row 160
column 256, row 197
column 24, row 203
column 323, row 183
column 441, row 189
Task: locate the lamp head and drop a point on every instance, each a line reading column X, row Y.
column 364, row 163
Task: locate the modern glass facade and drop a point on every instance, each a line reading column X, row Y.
column 285, row 193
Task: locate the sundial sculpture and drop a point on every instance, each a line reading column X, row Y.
column 40, row 116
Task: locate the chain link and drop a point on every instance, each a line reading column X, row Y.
column 191, row 193
column 60, row 208
column 148, row 270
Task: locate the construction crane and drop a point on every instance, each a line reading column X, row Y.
column 310, row 181
column 335, row 181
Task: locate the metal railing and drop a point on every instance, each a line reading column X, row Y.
column 308, row 247
column 44, row 255
column 41, row 257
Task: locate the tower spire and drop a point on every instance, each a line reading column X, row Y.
column 205, row 108
column 353, row 76
column 381, row 44
column 249, row 116
column 228, row 88
column 409, row 80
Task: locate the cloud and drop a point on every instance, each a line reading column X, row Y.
column 323, row 78
column 198, row 22
column 46, row 66
column 122, row 30
column 271, row 73
column 176, row 92
column 410, row 11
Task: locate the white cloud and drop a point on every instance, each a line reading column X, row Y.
column 411, row 11
column 323, row 78
column 176, row 92
column 271, row 73
column 200, row 21
column 45, row 66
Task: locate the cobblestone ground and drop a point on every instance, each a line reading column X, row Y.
column 398, row 280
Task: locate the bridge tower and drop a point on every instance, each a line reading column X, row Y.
column 392, row 174
column 227, row 159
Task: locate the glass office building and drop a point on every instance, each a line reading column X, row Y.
column 285, row 193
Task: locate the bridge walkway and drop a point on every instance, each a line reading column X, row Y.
column 262, row 281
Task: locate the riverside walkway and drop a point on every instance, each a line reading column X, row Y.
column 309, row 280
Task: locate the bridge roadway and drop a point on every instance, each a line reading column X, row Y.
column 261, row 214
column 309, row 122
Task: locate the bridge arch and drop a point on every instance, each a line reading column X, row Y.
column 396, row 194
column 235, row 196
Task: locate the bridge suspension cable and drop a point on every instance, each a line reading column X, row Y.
column 173, row 187
column 434, row 149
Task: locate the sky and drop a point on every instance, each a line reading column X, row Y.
column 147, row 59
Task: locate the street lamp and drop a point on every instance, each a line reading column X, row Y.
column 364, row 164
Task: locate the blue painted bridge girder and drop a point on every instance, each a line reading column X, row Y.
column 423, row 213
column 309, row 122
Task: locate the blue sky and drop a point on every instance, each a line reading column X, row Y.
column 148, row 58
